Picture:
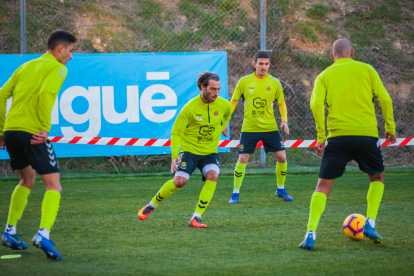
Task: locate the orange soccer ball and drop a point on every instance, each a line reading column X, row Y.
column 354, row 227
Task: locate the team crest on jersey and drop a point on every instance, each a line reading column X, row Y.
column 268, row 89
column 216, row 114
column 251, row 90
column 183, row 165
column 241, row 146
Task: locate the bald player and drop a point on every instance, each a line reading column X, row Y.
column 349, row 87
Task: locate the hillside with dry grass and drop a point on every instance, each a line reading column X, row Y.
column 204, row 25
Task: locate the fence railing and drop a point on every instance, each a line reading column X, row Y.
column 241, row 27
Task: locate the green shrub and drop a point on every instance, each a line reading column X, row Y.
column 318, row 11
column 306, row 30
column 227, row 5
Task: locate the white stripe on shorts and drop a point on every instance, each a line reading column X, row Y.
column 210, row 167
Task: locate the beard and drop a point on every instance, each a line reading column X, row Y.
column 207, row 97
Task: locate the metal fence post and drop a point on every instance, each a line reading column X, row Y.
column 23, row 27
column 262, row 47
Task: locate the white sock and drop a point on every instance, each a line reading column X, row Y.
column 280, row 187
column 44, row 232
column 152, row 204
column 313, row 235
column 236, row 191
column 196, row 215
column 371, row 222
column 11, row 229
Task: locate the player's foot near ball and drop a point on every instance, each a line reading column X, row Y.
column 234, row 198
column 309, row 241
column 196, row 222
column 144, row 212
column 13, row 241
column 371, row 233
column 283, row 194
column 47, row 246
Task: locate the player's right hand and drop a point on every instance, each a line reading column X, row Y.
column 40, row 138
column 319, row 148
column 174, row 166
column 390, row 138
column 224, row 132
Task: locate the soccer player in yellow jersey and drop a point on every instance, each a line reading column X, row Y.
column 259, row 90
column 349, row 87
column 34, row 87
column 196, row 132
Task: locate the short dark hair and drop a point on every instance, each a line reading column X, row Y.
column 60, row 37
column 204, row 78
column 261, row 54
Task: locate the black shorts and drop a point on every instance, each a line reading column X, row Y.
column 205, row 163
column 365, row 150
column 272, row 141
column 41, row 157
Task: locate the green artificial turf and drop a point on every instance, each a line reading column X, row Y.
column 97, row 230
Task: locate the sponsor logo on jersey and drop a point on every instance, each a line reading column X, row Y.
column 206, row 130
column 259, row 102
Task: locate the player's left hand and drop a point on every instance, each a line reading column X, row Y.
column 224, row 132
column 319, row 149
column 40, row 138
column 285, row 127
column 391, row 138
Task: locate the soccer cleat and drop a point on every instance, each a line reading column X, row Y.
column 13, row 242
column 370, row 232
column 234, row 198
column 309, row 241
column 283, row 194
column 144, row 212
column 196, row 222
column 47, row 246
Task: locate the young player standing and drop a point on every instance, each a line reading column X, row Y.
column 197, row 132
column 34, row 87
column 259, row 90
column 349, row 87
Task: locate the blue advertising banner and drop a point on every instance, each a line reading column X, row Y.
column 124, row 96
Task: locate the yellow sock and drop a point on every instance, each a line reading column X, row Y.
column 317, row 207
column 50, row 208
column 239, row 172
column 17, row 204
column 205, row 196
column 281, row 170
column 375, row 192
column 165, row 191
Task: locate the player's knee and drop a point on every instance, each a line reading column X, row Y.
column 243, row 159
column 59, row 189
column 280, row 156
column 180, row 182
column 281, row 159
column 212, row 176
column 376, row 177
column 27, row 183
